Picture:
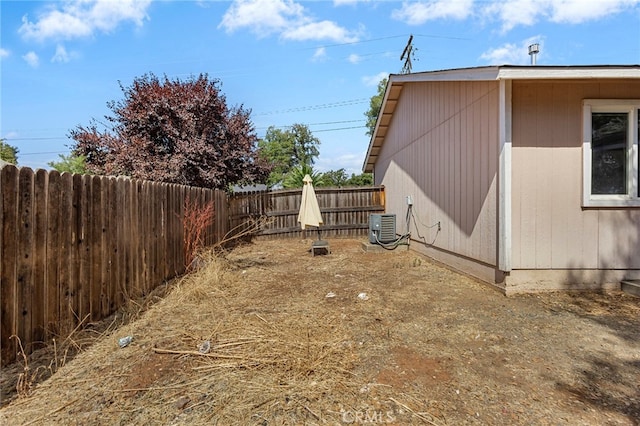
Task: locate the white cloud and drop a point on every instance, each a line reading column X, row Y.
column 374, row 80
column 11, row 135
column 61, row 55
column 263, row 17
column 513, row 53
column 577, row 11
column 348, row 2
column 417, row 13
column 81, row 18
column 354, row 58
column 513, row 13
column 32, row 59
column 284, row 17
column 324, row 30
column 320, row 54
column 350, row 162
column 4, row 53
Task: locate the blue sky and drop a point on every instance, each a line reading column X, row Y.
column 311, row 62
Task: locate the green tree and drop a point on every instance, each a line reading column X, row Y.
column 335, row 178
column 284, row 150
column 8, row 153
column 71, row 163
column 339, row 178
column 363, row 179
column 374, row 107
column 295, row 176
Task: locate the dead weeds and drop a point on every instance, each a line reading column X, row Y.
column 252, row 338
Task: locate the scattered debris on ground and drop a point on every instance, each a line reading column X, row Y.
column 269, row 334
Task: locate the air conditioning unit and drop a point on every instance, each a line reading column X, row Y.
column 382, row 228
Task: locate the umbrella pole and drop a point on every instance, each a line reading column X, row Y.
column 319, row 234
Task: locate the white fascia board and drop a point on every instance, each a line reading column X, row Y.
column 515, row 72
column 461, row 74
column 541, row 73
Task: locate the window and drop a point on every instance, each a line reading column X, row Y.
column 610, row 151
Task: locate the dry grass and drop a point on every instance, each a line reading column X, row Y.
column 261, row 366
column 428, row 347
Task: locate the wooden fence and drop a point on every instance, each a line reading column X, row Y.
column 345, row 211
column 76, row 246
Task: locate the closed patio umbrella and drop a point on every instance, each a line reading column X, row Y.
column 309, row 214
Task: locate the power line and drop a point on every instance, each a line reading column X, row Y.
column 21, row 154
column 339, row 128
column 385, row 38
column 354, row 42
column 320, row 106
column 36, row 139
column 312, row 124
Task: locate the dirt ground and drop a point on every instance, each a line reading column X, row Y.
column 269, row 334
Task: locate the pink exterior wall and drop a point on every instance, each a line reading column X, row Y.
column 551, row 231
column 442, row 150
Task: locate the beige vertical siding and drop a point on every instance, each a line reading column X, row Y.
column 442, row 149
column 550, row 228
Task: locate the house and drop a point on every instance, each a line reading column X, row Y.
column 526, row 177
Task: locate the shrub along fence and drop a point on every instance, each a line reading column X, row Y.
column 75, row 247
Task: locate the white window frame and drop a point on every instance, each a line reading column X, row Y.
column 631, row 198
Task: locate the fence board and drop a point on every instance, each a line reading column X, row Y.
column 65, row 259
column 25, row 256
column 38, row 309
column 8, row 273
column 94, row 285
column 85, row 218
column 112, row 244
column 52, row 291
column 76, row 247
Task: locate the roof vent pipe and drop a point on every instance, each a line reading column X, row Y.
column 534, row 49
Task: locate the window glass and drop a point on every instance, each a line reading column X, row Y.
column 609, row 152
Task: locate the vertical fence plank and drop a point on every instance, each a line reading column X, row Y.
column 119, row 253
column 105, row 251
column 127, row 227
column 182, row 197
column 8, row 272
column 164, row 240
column 76, row 247
column 52, row 289
column 97, row 237
column 66, row 257
column 153, row 243
column 136, row 247
column 113, row 290
column 85, row 219
column 177, row 224
column 146, row 230
column 25, row 249
column 38, row 322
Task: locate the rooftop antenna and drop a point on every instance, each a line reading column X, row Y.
column 534, row 49
column 407, row 54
